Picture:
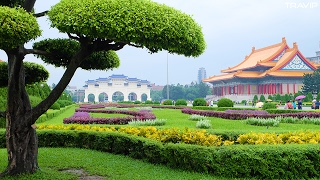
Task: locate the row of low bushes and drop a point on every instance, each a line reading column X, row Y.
column 240, row 161
column 44, row 117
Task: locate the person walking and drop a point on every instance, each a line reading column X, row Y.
column 299, row 104
column 317, row 104
column 294, row 104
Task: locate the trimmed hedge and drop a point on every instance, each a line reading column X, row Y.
column 236, row 161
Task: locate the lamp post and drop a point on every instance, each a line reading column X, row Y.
column 167, row 78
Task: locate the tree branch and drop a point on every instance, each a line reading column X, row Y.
column 28, row 5
column 41, row 14
column 35, row 51
column 73, row 37
column 134, row 45
column 64, row 81
column 104, row 45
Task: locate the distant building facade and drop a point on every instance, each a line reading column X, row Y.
column 315, row 59
column 275, row 69
column 115, row 86
column 155, row 87
column 201, row 74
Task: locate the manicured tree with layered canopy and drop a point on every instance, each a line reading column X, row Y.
column 96, row 29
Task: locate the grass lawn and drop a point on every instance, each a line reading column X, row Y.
column 174, row 118
column 110, row 166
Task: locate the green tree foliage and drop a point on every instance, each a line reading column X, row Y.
column 17, row 27
column 113, row 20
column 186, row 92
column 309, row 97
column 33, row 73
column 262, row 98
column 255, row 98
column 63, row 49
column 311, row 82
column 156, row 95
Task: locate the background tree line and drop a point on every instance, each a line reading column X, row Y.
column 187, row 92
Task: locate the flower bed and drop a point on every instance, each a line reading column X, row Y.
column 135, row 115
column 240, row 116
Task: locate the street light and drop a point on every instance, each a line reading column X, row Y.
column 167, row 77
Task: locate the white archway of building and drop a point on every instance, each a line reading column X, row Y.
column 129, row 87
column 132, row 96
column 103, row 97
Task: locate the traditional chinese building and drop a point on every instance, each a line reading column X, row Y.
column 270, row 70
column 130, row 89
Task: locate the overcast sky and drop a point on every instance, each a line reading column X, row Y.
column 230, row 28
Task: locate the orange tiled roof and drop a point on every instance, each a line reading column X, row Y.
column 259, row 56
column 219, row 77
column 275, row 69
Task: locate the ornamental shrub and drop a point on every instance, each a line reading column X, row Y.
column 137, row 102
column 203, row 124
column 225, row 102
column 199, row 102
column 269, row 106
column 55, row 106
column 167, row 102
column 156, row 102
column 262, row 98
column 181, row 102
column 148, row 102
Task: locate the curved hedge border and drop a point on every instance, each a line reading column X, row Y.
column 241, row 161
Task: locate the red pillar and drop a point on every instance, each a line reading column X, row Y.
column 249, row 89
column 294, row 88
column 274, row 88
column 280, row 88
column 288, row 89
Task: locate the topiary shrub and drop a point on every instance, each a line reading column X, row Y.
column 64, row 103
column 156, row 102
column 148, row 102
column 199, row 102
column 181, row 102
column 225, row 102
column 269, row 106
column 55, row 106
column 137, row 102
column 167, row 102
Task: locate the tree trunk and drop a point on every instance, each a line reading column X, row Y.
column 22, row 147
column 21, row 138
